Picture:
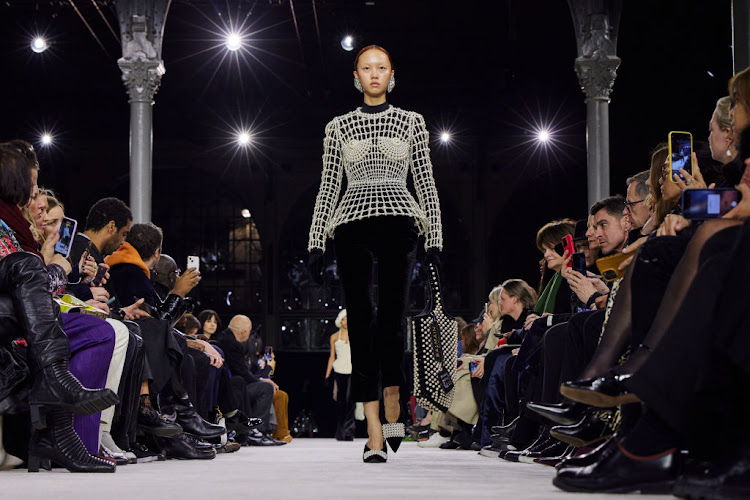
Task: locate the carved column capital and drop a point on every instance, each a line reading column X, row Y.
column 596, row 74
column 141, row 77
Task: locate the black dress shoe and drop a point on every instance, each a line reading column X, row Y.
column 592, row 429
column 616, row 472
column 505, row 430
column 559, row 413
column 585, row 459
column 257, row 438
column 154, row 423
column 242, row 423
column 450, row 445
column 542, row 442
column 183, row 448
column 606, row 391
column 552, row 461
column 192, row 423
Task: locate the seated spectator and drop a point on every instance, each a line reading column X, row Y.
column 263, row 367
column 256, row 393
column 55, row 393
column 210, row 324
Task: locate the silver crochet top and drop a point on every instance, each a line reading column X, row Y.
column 376, row 150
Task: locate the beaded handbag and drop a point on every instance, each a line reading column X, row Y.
column 435, row 349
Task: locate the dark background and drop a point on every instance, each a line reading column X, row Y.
column 488, row 72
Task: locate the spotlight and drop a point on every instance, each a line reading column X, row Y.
column 347, row 43
column 445, row 137
column 542, row 136
column 39, row 45
column 46, row 139
column 245, row 213
column 243, row 138
column 234, row 41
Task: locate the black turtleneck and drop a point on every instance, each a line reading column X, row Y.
column 366, row 108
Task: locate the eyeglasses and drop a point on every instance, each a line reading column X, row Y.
column 630, row 204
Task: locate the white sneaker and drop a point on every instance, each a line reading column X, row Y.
column 434, row 442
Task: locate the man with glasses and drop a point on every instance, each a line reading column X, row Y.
column 636, row 208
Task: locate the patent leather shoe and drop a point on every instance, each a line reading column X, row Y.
column 257, row 438
column 592, row 428
column 183, row 447
column 559, row 413
column 242, row 423
column 585, row 459
column 606, row 391
column 505, row 430
column 192, row 423
column 617, row 471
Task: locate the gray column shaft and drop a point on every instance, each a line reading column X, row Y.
column 141, row 147
column 597, row 146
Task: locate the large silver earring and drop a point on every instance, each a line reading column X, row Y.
column 729, row 152
column 391, row 84
column 358, row 85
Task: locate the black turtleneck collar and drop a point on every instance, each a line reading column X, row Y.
column 366, row 108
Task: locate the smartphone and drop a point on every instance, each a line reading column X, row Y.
column 568, row 246
column 100, row 272
column 680, row 154
column 269, row 353
column 702, row 204
column 608, row 266
column 472, row 366
column 67, row 231
column 193, row 261
column 578, row 262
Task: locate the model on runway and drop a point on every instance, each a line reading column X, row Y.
column 379, row 220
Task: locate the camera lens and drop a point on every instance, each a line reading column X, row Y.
column 609, row 275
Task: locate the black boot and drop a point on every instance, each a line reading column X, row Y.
column 152, row 422
column 55, row 386
column 60, row 444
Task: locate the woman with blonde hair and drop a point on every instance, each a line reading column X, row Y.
column 340, row 362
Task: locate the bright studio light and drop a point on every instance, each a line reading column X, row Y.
column 542, row 136
column 347, row 43
column 234, row 41
column 39, row 45
column 46, row 139
column 445, row 137
column 243, row 138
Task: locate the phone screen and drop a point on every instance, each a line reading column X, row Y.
column 680, row 148
column 701, row 204
column 67, row 231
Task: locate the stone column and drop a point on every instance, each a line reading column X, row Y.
column 141, row 28
column 595, row 24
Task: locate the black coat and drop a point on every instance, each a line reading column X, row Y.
column 234, row 356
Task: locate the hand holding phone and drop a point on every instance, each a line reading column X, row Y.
column 680, row 154
column 67, row 231
column 193, row 262
column 703, row 204
column 578, row 262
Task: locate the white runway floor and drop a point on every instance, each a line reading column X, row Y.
column 305, row 469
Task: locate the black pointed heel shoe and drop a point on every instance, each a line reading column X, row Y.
column 394, row 434
column 59, row 443
column 375, row 456
column 56, row 387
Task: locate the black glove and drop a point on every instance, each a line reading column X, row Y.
column 315, row 264
column 431, row 257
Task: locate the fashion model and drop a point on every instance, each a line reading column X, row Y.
column 376, row 220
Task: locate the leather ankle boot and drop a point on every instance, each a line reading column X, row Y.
column 56, row 387
column 60, row 444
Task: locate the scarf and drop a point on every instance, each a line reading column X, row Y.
column 546, row 302
column 14, row 218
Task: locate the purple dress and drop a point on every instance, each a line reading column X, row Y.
column 92, row 341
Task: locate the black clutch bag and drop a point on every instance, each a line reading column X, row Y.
column 435, row 336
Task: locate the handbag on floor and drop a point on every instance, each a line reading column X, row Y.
column 435, row 335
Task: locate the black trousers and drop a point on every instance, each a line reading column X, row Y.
column 376, row 301
column 344, row 407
